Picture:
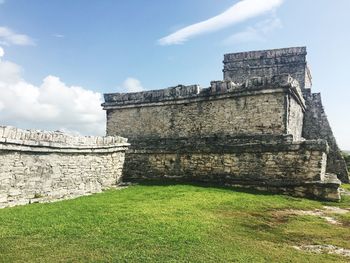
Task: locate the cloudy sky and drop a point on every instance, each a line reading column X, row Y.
column 58, row 57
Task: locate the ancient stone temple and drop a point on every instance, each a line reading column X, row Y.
column 260, row 127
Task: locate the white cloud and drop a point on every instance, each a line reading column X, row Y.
column 239, row 12
column 9, row 73
column 255, row 33
column 58, row 35
column 9, row 37
column 52, row 106
column 2, row 52
column 132, row 85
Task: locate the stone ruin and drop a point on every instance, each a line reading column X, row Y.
column 261, row 127
column 39, row 166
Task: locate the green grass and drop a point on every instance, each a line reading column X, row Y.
column 346, row 186
column 169, row 223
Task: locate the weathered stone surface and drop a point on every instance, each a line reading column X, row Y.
column 258, row 106
column 316, row 126
column 47, row 166
column 245, row 130
column 288, row 166
column 267, row 63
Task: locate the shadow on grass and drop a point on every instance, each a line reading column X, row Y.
column 248, row 189
column 239, row 189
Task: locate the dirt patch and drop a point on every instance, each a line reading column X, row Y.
column 336, row 210
column 326, row 213
column 324, row 249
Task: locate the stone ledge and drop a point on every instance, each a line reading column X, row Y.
column 328, row 191
column 42, row 149
column 283, row 83
column 227, row 144
column 10, row 134
column 265, row 54
column 13, row 139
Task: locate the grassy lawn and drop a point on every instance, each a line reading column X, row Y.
column 170, row 223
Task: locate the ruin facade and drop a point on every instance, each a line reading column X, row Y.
column 259, row 127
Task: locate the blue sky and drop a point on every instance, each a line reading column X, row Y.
column 86, row 48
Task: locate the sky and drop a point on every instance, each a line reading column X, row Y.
column 58, row 57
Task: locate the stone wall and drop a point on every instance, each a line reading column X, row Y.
column 259, row 106
column 316, row 126
column 47, row 166
column 264, row 162
column 295, row 117
column 267, row 63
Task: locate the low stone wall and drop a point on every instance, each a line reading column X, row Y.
column 41, row 166
column 274, row 163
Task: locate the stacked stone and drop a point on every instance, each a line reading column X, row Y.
column 38, row 166
column 239, row 67
column 19, row 136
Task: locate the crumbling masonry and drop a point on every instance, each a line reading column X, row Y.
column 260, row 127
column 37, row 166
